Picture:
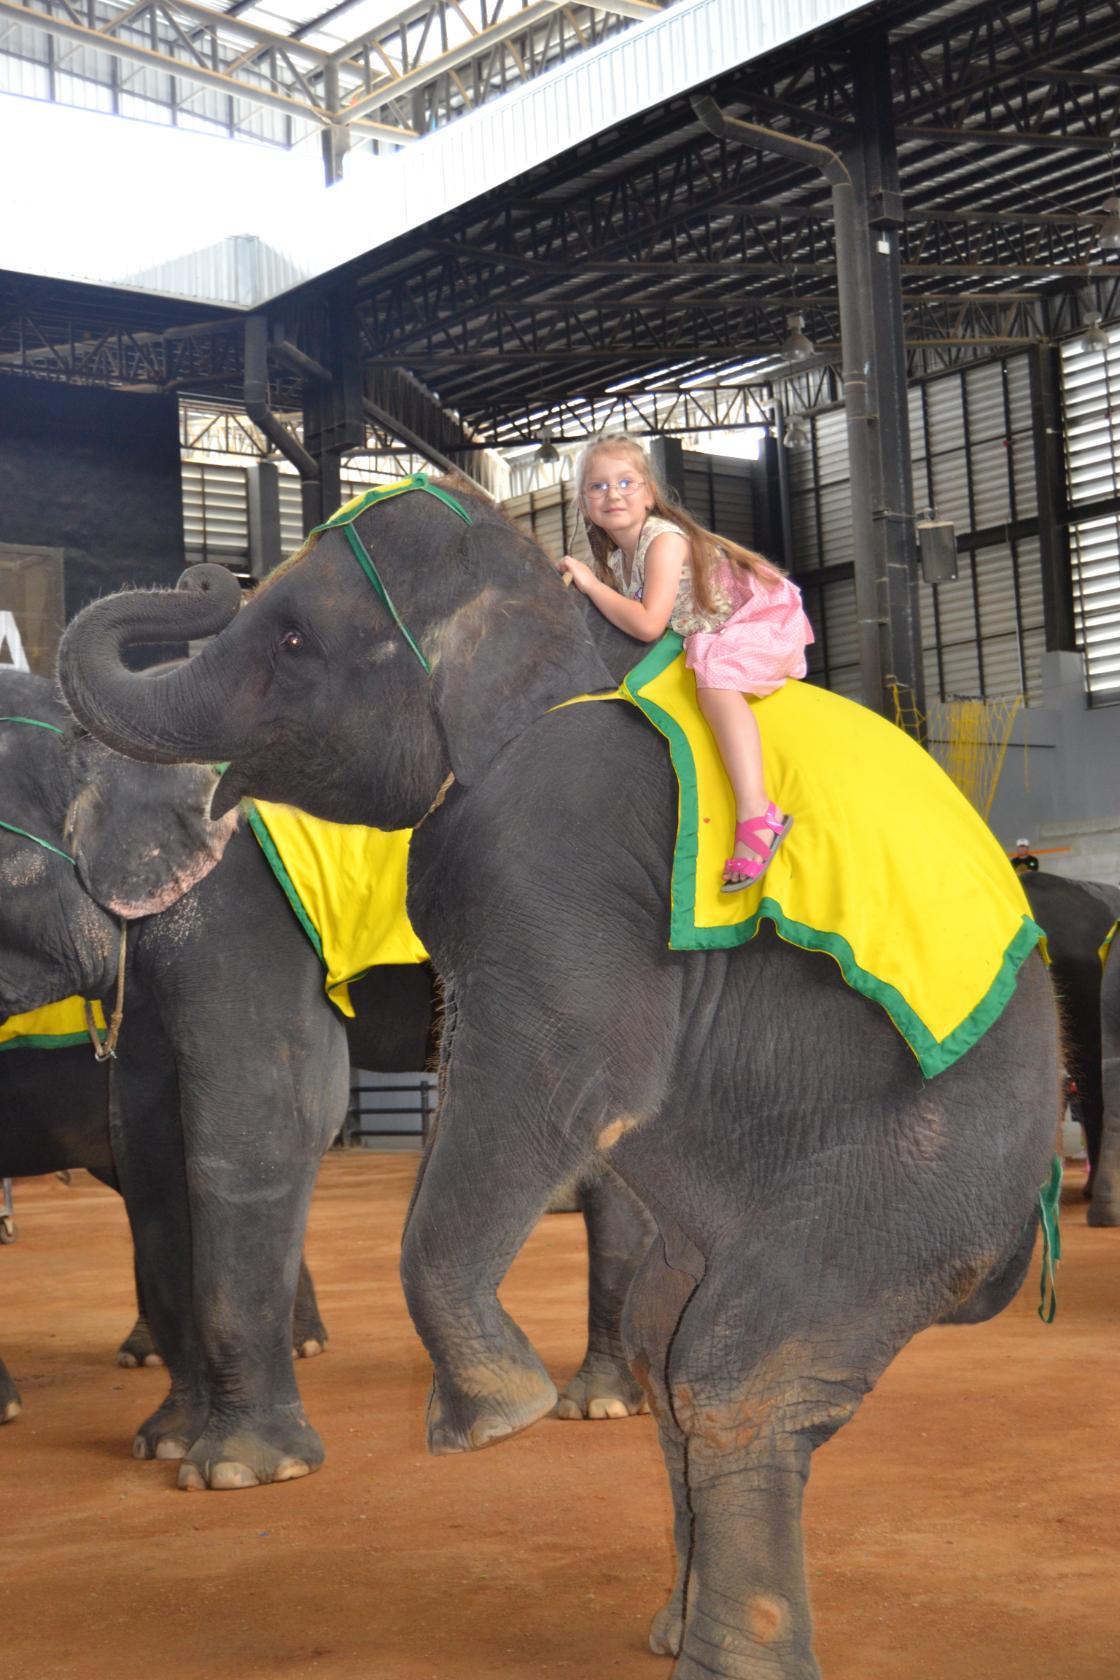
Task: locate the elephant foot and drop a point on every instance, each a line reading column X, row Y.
column 276, row 1448
column 667, row 1629
column 463, row 1422
column 168, row 1433
column 601, row 1388
column 1102, row 1215
column 309, row 1333
column 138, row 1348
column 714, row 1663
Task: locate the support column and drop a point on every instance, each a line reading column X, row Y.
column 333, row 418
column 667, row 455
column 263, row 486
column 1050, row 477
column 892, row 565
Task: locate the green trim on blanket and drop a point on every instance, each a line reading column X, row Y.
column 45, row 1041
column 933, row 1055
column 276, row 863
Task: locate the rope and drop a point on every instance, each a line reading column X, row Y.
column 106, row 1050
column 967, row 736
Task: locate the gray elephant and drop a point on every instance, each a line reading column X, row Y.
column 56, row 1106
column 817, row 1201
column 249, row 1081
column 1075, row 917
column 1105, row 1206
column 230, row 1077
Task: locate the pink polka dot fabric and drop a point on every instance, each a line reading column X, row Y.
column 760, row 645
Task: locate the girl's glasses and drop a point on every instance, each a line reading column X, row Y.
column 624, row 486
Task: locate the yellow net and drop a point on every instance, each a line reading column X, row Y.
column 968, row 737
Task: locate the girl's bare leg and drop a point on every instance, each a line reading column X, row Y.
column 740, row 746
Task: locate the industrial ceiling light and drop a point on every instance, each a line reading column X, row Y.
column 795, row 345
column 1108, row 235
column 547, row 451
column 1093, row 337
column 796, row 433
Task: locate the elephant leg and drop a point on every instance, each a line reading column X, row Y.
column 746, row 1379
column 658, row 1297
column 10, row 1404
column 253, row 1136
column 138, row 1347
column 148, row 1149
column 502, row 1145
column 619, row 1233
column 309, row 1333
column 1104, row 1209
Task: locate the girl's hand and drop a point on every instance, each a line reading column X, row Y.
column 579, row 572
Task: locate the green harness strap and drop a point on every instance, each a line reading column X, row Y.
column 1049, row 1198
column 36, row 723
column 345, row 518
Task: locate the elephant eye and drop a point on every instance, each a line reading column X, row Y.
column 291, row 641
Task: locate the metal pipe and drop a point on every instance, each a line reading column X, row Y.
column 390, row 423
column 255, row 397
column 855, row 367
column 300, row 361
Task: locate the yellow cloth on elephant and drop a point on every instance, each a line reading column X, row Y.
column 888, row 869
column 1108, row 942
column 346, row 885
column 52, row 1027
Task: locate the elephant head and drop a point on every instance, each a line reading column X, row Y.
column 354, row 701
column 102, row 838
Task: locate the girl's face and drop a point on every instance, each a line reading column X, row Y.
column 616, row 493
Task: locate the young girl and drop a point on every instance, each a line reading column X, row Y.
column 741, row 618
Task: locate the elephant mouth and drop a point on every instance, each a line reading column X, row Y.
column 233, row 785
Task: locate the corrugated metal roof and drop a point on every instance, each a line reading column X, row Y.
column 694, row 42
column 235, row 271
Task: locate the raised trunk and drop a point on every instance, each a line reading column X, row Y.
column 182, row 715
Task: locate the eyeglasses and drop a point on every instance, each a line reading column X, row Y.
column 624, row 486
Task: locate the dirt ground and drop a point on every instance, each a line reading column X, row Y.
column 964, row 1525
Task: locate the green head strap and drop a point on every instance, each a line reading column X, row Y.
column 36, row 723
column 350, row 511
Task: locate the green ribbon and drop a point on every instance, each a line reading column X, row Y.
column 37, row 723
column 1049, row 1199
column 345, row 518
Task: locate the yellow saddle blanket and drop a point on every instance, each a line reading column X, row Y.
column 887, row 869
column 52, row 1027
column 346, row 885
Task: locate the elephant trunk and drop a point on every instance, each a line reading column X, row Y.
column 182, row 715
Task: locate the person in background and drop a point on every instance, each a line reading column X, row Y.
column 1022, row 857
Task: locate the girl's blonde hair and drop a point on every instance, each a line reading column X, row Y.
column 706, row 547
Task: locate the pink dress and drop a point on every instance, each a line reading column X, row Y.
column 753, row 639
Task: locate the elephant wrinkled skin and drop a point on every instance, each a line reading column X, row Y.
column 817, row 1201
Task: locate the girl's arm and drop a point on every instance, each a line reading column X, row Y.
column 648, row 618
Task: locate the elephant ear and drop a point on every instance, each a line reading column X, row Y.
column 514, row 649
column 141, row 834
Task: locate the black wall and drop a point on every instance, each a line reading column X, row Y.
column 95, row 473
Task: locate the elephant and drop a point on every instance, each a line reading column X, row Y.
column 250, row 1080
column 230, row 1076
column 56, row 1116
column 1105, row 1206
column 817, row 1202
column 1075, row 917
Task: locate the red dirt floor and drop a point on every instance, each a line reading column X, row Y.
column 963, row 1527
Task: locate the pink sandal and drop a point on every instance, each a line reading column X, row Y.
column 740, row 872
